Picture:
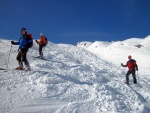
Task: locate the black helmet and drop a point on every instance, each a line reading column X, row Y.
column 23, row 29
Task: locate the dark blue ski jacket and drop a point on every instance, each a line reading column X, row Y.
column 23, row 43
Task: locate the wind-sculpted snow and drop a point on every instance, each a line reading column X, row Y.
column 69, row 80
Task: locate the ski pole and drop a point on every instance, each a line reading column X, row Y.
column 9, row 55
column 118, row 68
column 138, row 75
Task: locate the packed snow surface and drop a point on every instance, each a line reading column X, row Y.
column 86, row 78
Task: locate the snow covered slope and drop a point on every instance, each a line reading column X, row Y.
column 74, row 80
column 117, row 52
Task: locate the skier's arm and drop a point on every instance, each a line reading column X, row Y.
column 36, row 41
column 136, row 66
column 17, row 43
column 14, row 43
column 123, row 65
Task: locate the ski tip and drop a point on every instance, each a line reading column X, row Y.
column 3, row 69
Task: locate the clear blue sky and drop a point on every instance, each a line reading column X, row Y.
column 72, row 21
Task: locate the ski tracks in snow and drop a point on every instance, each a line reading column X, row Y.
column 72, row 80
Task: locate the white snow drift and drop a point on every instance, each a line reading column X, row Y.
column 86, row 78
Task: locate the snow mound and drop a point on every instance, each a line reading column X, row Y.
column 132, row 41
column 146, row 41
column 84, row 44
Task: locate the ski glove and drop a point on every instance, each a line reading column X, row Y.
column 121, row 64
column 36, row 41
column 12, row 42
column 137, row 69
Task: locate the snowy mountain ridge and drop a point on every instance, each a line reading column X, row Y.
column 132, row 42
column 86, row 78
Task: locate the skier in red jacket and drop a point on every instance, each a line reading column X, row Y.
column 131, row 64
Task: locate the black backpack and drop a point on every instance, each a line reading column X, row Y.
column 29, row 40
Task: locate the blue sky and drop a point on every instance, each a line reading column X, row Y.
column 72, row 21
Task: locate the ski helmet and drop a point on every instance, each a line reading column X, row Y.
column 23, row 29
column 129, row 57
column 41, row 34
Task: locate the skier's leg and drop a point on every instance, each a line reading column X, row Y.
column 40, row 50
column 134, row 76
column 27, row 65
column 19, row 59
column 127, row 77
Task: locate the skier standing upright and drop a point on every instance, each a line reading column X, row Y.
column 24, row 44
column 132, row 66
column 42, row 43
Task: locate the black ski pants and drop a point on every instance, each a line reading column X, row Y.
column 22, row 57
column 133, row 75
column 40, row 50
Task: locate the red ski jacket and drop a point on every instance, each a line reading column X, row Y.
column 131, row 64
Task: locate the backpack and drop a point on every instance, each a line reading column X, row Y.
column 29, row 40
column 132, row 64
column 44, row 41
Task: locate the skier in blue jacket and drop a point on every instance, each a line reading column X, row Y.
column 24, row 43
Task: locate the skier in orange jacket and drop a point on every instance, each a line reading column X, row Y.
column 42, row 43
